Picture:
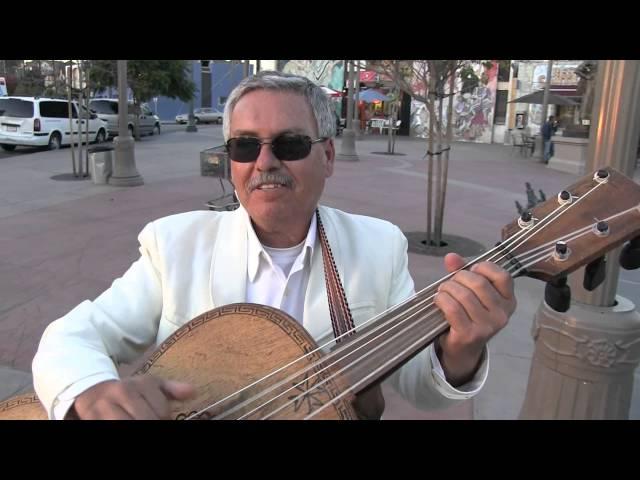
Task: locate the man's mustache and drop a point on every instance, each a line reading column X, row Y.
column 269, row 178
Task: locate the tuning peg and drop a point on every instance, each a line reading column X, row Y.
column 594, row 274
column 557, row 294
column 526, row 219
column 630, row 255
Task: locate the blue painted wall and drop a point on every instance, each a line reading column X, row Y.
column 224, row 77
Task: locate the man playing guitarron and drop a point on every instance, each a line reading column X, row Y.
column 279, row 249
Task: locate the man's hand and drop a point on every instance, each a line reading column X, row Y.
column 143, row 397
column 477, row 304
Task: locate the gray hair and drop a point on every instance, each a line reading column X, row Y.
column 284, row 82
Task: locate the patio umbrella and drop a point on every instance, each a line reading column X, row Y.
column 370, row 96
column 537, row 97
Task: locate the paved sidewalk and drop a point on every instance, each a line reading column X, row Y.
column 63, row 242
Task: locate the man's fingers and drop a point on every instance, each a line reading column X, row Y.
column 454, row 312
column 453, row 262
column 107, row 411
column 158, row 392
column 139, row 397
column 480, row 288
column 139, row 408
column 177, row 390
column 501, row 280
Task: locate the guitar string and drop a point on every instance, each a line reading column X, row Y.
column 569, row 237
column 371, row 320
column 514, row 238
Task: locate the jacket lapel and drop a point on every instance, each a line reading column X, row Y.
column 229, row 260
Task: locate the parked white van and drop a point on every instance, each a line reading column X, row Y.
column 44, row 122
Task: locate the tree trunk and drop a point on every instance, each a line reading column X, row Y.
column 445, row 160
column 350, row 93
column 390, row 132
column 437, row 234
column 55, row 78
column 79, row 120
column 136, row 119
column 88, row 119
column 69, row 86
column 430, row 173
column 391, row 144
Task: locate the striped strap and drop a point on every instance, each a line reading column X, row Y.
column 341, row 319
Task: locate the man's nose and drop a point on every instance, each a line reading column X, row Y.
column 266, row 159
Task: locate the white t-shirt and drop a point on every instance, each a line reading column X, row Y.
column 278, row 277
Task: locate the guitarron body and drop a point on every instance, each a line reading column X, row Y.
column 223, row 351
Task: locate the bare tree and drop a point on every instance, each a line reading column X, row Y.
column 80, row 119
column 431, row 82
column 396, row 96
column 70, row 107
column 55, row 78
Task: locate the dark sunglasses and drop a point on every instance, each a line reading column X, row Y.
column 286, row 147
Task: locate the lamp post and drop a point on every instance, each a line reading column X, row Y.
column 348, row 145
column 125, row 173
column 545, row 108
column 584, row 358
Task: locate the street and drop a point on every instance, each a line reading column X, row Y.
column 20, row 151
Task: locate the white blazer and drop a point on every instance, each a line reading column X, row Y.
column 193, row 262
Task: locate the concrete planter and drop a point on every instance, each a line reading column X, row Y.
column 570, row 154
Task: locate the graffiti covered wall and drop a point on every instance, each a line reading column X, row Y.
column 329, row 73
column 472, row 111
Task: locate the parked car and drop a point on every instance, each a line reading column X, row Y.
column 44, row 122
column 107, row 109
column 201, row 115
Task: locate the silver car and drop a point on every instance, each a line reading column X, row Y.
column 201, row 115
column 107, row 109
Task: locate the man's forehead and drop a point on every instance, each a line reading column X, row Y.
column 244, row 132
column 291, row 113
column 282, row 96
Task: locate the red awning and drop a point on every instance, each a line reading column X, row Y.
column 368, row 76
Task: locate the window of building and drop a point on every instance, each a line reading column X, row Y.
column 500, row 115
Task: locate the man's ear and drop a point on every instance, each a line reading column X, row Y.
column 330, row 153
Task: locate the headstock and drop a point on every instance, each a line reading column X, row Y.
column 586, row 220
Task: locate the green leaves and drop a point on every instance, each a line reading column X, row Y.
column 147, row 78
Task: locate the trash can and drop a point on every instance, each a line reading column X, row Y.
column 100, row 163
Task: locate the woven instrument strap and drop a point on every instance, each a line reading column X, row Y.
column 341, row 319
